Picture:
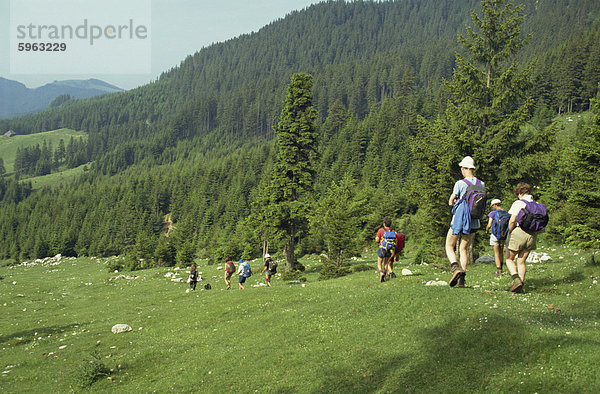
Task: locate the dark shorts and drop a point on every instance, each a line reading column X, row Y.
column 384, row 253
column 242, row 279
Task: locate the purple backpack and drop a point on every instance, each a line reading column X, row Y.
column 476, row 198
column 534, row 217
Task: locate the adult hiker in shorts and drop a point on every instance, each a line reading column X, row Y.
column 400, row 239
column 386, row 240
column 462, row 226
column 497, row 244
column 269, row 269
column 520, row 242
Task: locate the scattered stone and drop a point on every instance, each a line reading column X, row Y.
column 219, row 268
column 62, row 347
column 129, row 277
column 294, row 282
column 259, row 285
column 406, row 272
column 119, row 328
column 485, row 259
column 436, row 283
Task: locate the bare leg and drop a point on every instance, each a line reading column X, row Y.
column 498, row 256
column 451, row 241
column 466, row 243
column 510, row 262
column 521, row 266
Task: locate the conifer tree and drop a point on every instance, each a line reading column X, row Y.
column 488, row 104
column 292, row 180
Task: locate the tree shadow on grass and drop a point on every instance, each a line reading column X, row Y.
column 26, row 336
column 547, row 282
column 459, row 356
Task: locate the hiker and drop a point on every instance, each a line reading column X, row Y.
column 269, row 269
column 400, row 239
column 229, row 270
column 244, row 272
column 466, row 200
column 386, row 239
column 522, row 235
column 193, row 276
column 497, row 228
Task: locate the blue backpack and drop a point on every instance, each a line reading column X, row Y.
column 476, row 197
column 247, row 270
column 388, row 242
column 500, row 224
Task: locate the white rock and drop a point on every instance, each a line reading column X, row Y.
column 406, row 272
column 119, row 328
column 62, row 347
column 219, row 268
column 436, row 283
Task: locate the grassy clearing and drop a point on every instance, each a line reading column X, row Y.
column 350, row 334
column 56, row 179
column 8, row 146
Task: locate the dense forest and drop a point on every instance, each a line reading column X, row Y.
column 185, row 166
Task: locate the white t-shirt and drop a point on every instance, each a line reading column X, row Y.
column 516, row 206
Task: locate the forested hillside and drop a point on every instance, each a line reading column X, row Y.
column 192, row 154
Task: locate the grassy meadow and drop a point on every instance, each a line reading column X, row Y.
column 351, row 334
column 8, row 146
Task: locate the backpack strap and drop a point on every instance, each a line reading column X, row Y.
column 469, row 183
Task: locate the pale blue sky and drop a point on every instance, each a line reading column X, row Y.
column 178, row 28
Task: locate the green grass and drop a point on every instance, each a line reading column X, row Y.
column 351, row 334
column 8, row 146
column 56, row 179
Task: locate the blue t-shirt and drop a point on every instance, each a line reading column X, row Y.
column 460, row 188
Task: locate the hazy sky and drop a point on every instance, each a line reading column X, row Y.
column 178, row 28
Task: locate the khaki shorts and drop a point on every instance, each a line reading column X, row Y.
column 520, row 240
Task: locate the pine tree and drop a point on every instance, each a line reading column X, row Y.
column 487, row 107
column 292, row 180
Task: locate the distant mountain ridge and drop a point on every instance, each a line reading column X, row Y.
column 16, row 99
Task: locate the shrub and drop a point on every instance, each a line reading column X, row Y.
column 293, row 275
column 331, row 269
column 115, row 264
column 89, row 371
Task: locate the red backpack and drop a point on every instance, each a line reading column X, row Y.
column 229, row 267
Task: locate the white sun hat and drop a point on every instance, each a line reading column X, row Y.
column 467, row 162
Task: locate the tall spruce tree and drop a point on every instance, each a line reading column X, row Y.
column 487, row 106
column 292, row 180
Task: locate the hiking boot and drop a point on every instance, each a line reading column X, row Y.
column 517, row 286
column 498, row 272
column 461, row 281
column 457, row 273
column 381, row 277
column 392, row 275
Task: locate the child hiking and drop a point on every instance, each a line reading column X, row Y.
column 497, row 228
column 468, row 204
column 269, row 269
column 386, row 239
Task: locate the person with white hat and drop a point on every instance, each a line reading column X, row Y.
column 463, row 226
column 270, row 268
column 499, row 232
